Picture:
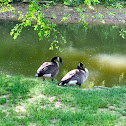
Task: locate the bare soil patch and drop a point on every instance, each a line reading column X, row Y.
column 59, row 11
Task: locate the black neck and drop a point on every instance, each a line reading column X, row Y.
column 78, row 67
column 53, row 59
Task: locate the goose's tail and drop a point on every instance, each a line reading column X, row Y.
column 60, row 83
column 36, row 75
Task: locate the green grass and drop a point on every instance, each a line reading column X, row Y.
column 2, row 100
column 32, row 102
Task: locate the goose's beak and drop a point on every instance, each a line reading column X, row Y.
column 83, row 68
column 61, row 62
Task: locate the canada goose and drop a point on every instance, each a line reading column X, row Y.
column 76, row 76
column 49, row 69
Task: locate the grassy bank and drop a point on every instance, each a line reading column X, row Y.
column 32, row 102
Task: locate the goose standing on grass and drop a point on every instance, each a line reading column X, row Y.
column 49, row 69
column 76, row 76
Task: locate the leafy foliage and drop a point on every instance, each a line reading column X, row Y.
column 66, row 17
column 122, row 33
column 43, row 24
column 5, row 6
column 45, row 27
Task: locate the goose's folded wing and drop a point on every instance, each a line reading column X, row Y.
column 47, row 68
column 69, row 75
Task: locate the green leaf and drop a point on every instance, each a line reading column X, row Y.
column 66, row 2
column 54, row 16
column 36, row 27
column 28, row 22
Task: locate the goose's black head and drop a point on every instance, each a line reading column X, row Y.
column 80, row 66
column 58, row 59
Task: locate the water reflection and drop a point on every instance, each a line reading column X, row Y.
column 100, row 48
column 116, row 63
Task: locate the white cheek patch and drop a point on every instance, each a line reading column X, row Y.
column 47, row 75
column 58, row 59
column 79, row 65
column 72, row 82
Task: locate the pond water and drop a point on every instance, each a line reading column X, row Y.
column 100, row 48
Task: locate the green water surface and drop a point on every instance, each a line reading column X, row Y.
column 100, row 48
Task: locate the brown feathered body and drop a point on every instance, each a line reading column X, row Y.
column 74, row 77
column 48, row 70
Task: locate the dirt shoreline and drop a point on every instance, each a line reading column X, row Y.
column 60, row 10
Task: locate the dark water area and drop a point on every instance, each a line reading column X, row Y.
column 100, row 48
